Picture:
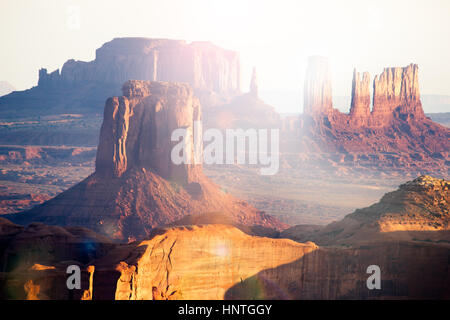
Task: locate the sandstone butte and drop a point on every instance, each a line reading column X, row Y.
column 217, row 261
column 394, row 133
column 136, row 186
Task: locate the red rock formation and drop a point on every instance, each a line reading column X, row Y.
column 406, row 234
column 136, row 186
column 417, row 211
column 246, row 111
column 221, row 262
column 394, row 135
column 396, row 88
column 317, row 88
column 34, row 260
column 360, row 105
column 137, row 128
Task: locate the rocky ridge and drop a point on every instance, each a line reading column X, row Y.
column 220, row 262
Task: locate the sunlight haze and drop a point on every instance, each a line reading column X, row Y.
column 275, row 36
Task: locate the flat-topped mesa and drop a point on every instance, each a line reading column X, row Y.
column 317, row 89
column 360, row 105
column 397, row 90
column 137, row 128
column 201, row 64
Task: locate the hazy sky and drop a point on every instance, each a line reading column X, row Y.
column 275, row 36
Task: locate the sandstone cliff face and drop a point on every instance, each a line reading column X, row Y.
column 221, row 262
column 203, row 262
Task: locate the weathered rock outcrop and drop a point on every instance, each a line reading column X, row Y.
column 137, row 128
column 136, row 185
column 418, row 210
column 221, row 262
column 396, row 89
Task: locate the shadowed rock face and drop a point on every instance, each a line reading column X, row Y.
column 203, row 262
column 221, row 262
column 395, row 91
column 136, row 186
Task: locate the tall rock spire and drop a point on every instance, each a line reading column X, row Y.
column 317, row 89
column 360, row 105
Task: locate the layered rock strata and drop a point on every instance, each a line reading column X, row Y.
column 137, row 129
column 221, row 262
column 360, row 104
